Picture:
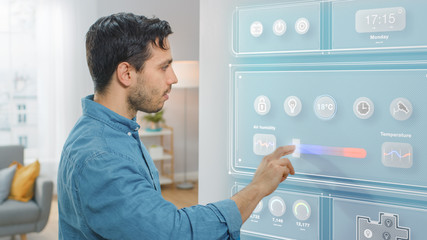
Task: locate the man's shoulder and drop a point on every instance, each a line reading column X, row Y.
column 85, row 139
column 91, row 138
column 85, row 135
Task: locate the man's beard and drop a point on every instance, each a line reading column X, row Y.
column 139, row 99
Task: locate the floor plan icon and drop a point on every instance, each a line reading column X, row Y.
column 387, row 228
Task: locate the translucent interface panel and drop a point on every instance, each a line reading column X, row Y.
column 363, row 220
column 379, row 24
column 284, row 215
column 363, row 125
column 279, row 28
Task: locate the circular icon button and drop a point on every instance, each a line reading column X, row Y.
column 262, row 105
column 301, row 210
column 401, row 109
column 302, row 25
column 256, row 29
column 388, row 222
column 367, row 233
column 258, row 207
column 386, row 236
column 279, row 27
column 277, row 206
column 325, row 107
column 292, row 106
column 363, row 108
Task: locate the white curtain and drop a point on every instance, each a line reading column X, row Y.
column 62, row 74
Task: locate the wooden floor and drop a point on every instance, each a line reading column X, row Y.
column 181, row 199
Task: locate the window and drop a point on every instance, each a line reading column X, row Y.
column 18, row 73
column 23, row 141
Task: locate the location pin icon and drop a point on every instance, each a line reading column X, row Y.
column 292, row 105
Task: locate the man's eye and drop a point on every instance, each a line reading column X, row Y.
column 165, row 67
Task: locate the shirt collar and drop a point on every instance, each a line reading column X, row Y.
column 107, row 116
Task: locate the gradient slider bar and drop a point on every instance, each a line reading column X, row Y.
column 327, row 151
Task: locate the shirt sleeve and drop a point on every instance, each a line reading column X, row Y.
column 119, row 202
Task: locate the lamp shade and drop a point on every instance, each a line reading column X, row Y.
column 187, row 73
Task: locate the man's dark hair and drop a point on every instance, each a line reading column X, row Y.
column 121, row 37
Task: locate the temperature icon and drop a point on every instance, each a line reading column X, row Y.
column 398, row 155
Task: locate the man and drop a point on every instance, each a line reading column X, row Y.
column 108, row 186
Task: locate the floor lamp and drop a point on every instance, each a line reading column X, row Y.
column 187, row 73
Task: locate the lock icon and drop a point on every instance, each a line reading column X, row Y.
column 262, row 106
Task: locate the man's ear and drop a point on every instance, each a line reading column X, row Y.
column 124, row 74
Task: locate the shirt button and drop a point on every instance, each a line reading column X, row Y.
column 129, row 133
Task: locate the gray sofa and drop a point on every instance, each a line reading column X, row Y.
column 24, row 217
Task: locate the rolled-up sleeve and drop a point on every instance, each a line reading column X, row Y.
column 118, row 201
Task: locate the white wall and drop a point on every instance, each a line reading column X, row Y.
column 214, row 79
column 174, row 115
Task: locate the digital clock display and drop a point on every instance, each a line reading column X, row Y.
column 381, row 20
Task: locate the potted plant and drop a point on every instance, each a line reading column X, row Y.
column 156, row 151
column 154, row 120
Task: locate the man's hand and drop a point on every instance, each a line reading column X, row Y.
column 272, row 170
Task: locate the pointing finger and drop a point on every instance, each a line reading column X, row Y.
column 283, row 150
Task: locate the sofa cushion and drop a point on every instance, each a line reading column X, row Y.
column 11, row 153
column 14, row 212
column 6, row 177
column 23, row 182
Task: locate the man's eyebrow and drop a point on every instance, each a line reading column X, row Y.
column 168, row 61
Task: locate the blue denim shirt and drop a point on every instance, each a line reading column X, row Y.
column 108, row 188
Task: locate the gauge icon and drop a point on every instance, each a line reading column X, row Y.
column 277, row 206
column 259, row 207
column 301, row 210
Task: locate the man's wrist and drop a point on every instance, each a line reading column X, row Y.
column 256, row 190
